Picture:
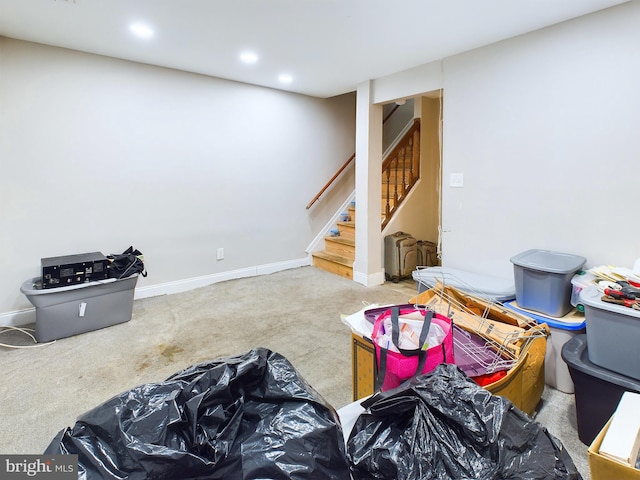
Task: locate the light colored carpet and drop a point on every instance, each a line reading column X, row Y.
column 295, row 312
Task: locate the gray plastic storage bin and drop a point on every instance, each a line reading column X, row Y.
column 556, row 371
column 597, row 390
column 66, row 311
column 492, row 288
column 613, row 334
column 543, row 280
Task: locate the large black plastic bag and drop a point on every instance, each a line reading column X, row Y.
column 245, row 417
column 444, row 426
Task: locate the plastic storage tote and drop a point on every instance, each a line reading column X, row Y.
column 556, row 371
column 598, row 390
column 488, row 287
column 581, row 281
column 543, row 280
column 66, row 311
column 613, row 333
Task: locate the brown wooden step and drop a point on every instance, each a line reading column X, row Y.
column 341, row 246
column 347, row 230
column 336, row 264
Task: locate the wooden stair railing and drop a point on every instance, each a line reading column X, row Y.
column 346, row 164
column 328, row 184
column 400, row 171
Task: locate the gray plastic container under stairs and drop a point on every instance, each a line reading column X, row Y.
column 543, row 280
column 66, row 311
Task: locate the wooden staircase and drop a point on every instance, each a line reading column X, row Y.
column 400, row 172
column 340, row 250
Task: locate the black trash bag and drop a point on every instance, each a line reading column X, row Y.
column 443, row 426
column 244, row 417
column 126, row 264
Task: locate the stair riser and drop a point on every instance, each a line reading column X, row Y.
column 340, row 249
column 334, row 268
column 347, row 231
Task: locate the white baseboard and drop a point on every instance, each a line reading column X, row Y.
column 18, row 318
column 369, row 280
column 197, row 282
column 23, row 317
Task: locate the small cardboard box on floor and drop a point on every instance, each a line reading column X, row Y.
column 616, row 446
column 523, row 384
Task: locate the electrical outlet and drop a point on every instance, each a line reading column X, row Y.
column 220, row 254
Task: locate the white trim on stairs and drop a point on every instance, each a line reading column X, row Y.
column 314, row 245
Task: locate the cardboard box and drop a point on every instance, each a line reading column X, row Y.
column 363, row 366
column 622, row 440
column 605, row 468
column 519, row 336
column 523, row 385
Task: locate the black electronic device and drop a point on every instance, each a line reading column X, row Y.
column 73, row 269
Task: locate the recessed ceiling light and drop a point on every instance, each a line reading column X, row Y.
column 285, row 78
column 141, row 30
column 248, row 57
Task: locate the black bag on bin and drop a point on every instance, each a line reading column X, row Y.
column 245, row 417
column 126, row 264
column 442, row 425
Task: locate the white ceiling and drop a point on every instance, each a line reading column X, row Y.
column 327, row 46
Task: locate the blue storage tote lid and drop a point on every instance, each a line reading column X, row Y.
column 568, row 324
column 548, row 261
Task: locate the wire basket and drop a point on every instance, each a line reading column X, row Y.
column 490, row 337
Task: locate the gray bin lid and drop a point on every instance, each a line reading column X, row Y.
column 46, row 297
column 548, row 261
column 28, row 287
column 591, row 297
column 495, row 288
column 576, row 355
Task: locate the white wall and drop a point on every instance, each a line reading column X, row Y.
column 98, row 154
column 546, row 130
column 396, row 123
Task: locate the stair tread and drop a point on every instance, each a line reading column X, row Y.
column 348, row 262
column 347, row 224
column 342, row 240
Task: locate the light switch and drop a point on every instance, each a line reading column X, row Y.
column 456, row 180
